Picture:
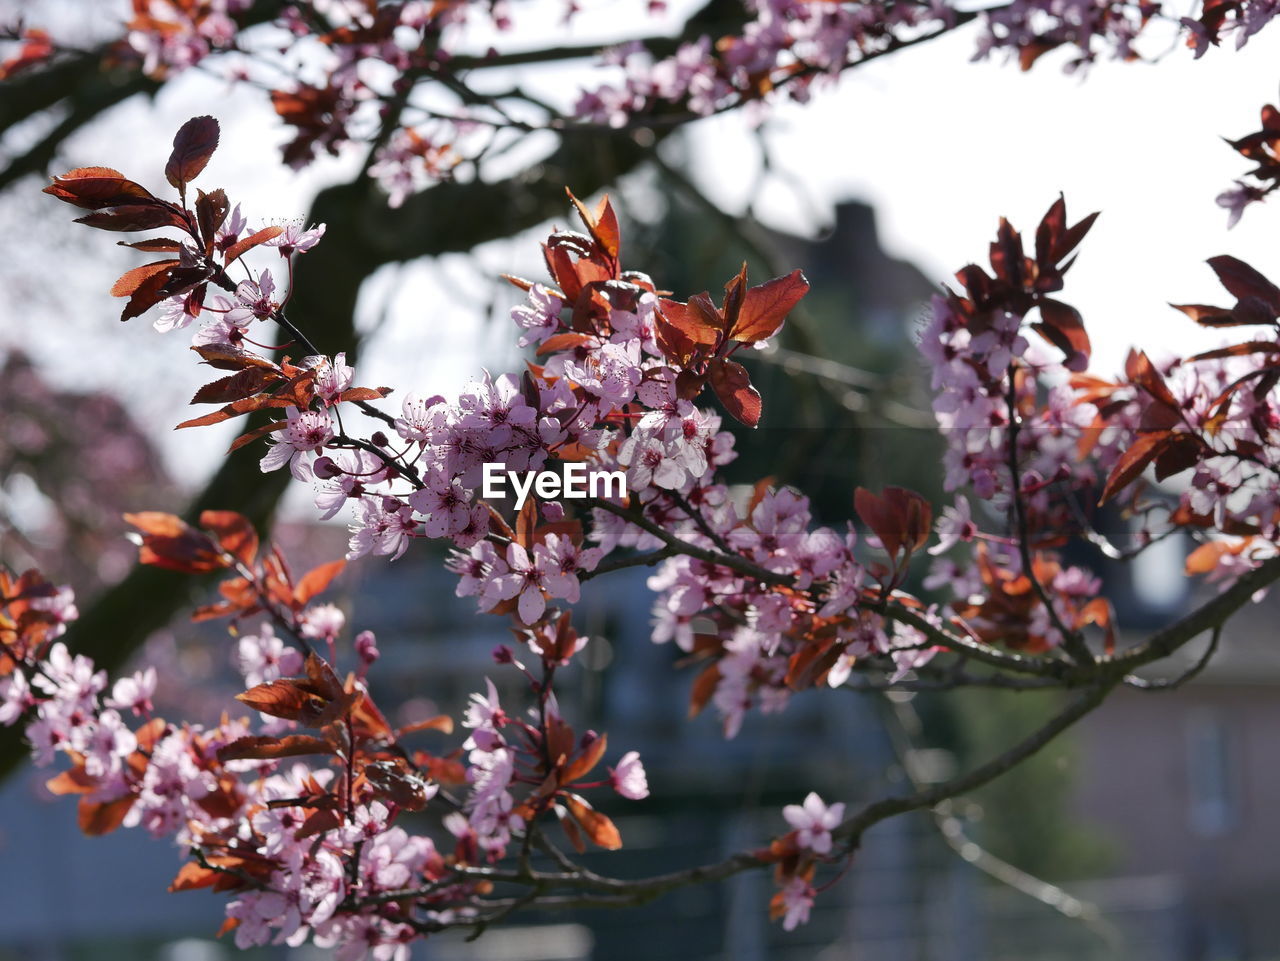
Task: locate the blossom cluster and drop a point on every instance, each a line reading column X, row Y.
column 352, row 69
column 766, row 601
column 309, row 849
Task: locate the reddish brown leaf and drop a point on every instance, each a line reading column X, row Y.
column 878, row 515
column 732, row 385
column 558, row 342
column 93, row 188
column 598, row 828
column 1245, row 282
column 295, row 745
column 1208, row 316
column 586, row 761
column 398, row 783
column 1141, row 372
column 364, row 393
column 211, row 210
column 74, row 781
column 157, row 522
column 1133, row 461
column 1099, row 611
column 316, row 580
column 226, row 357
column 236, row 408
column 441, row 722
column 148, row 292
column 703, row 687
column 237, row 386
column 571, row 832
column 155, row 245
column 102, row 817
column 527, row 523
column 234, row 532
column 1062, row 325
column 245, row 244
column 168, row 542
column 318, row 822
column 192, row 877
column 284, row 698
column 601, row 223
column 193, row 145
column 765, row 307
column 132, row 279
column 1205, row 558
column 129, row 217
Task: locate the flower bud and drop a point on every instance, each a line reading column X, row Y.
column 366, row 647
column 325, row 468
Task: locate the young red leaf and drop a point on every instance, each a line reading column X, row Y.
column 245, row 244
column 703, row 688
column 102, row 817
column 193, row 145
column 571, row 831
column 155, row 245
column 316, row 580
column 131, row 280
column 192, row 877
column 398, row 783
column 440, row 722
column 765, row 307
column 227, row 357
column 364, row 393
column 235, row 409
column 1245, row 282
column 211, row 210
column 602, row 223
column 586, row 761
column 735, row 291
column 129, row 217
column 1062, row 326
column 149, row 291
column 92, row 188
column 168, row 542
column 294, row 745
column 732, row 385
column 284, row 698
column 158, row 523
column 598, row 828
column 558, row 342
column 878, row 515
column 527, row 523
column 246, row 383
column 1208, row 316
column 73, row 781
column 234, row 532
column 1141, row 372
column 318, row 822
column 1133, row 461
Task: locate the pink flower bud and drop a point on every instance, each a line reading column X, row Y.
column 367, row 647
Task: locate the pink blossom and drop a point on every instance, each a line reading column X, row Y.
column 628, row 778
column 307, row 432
column 295, row 240
column 134, row 693
column 797, row 900
column 813, row 822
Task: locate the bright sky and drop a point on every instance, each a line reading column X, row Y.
column 940, row 146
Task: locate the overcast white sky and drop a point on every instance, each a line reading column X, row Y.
column 940, row 146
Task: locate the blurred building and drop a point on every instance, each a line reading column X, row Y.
column 1186, row 784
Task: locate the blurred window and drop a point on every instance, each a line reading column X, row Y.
column 1211, row 796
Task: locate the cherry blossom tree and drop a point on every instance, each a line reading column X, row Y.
column 300, row 810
